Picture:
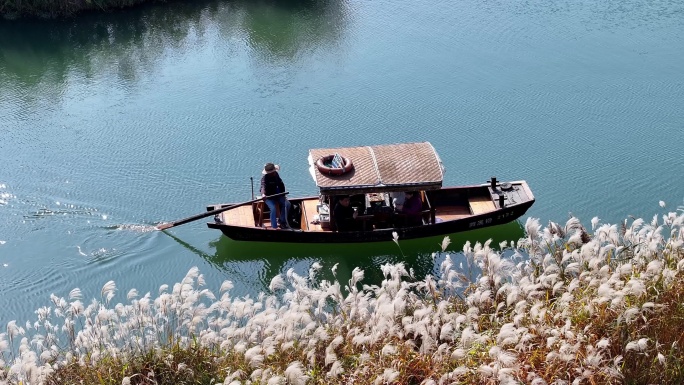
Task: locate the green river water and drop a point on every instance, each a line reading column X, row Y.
column 111, row 123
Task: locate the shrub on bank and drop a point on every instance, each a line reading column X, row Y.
column 566, row 308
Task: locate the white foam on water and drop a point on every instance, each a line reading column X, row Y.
column 137, row 228
column 5, row 198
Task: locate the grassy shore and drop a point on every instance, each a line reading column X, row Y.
column 57, row 8
column 570, row 306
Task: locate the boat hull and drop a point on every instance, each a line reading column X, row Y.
column 523, row 199
column 493, row 218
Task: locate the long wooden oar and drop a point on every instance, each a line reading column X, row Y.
column 164, row 226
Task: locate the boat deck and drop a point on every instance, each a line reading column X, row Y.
column 481, row 205
column 240, row 216
column 308, row 212
column 244, row 215
column 450, row 213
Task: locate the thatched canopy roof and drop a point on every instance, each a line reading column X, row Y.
column 393, row 167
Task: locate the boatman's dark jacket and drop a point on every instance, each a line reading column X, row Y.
column 272, row 184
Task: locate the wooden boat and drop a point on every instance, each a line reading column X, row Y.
column 377, row 172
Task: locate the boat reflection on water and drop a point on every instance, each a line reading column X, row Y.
column 422, row 255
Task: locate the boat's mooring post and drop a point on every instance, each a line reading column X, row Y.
column 501, row 199
column 493, row 183
column 251, row 179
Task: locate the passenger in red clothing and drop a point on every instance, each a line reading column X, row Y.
column 413, row 208
column 344, row 215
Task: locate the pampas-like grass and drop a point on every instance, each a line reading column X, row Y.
column 567, row 307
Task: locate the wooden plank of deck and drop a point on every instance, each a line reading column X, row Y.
column 450, row 213
column 308, row 215
column 480, row 205
column 241, row 216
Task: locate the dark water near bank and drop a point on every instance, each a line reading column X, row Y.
column 112, row 123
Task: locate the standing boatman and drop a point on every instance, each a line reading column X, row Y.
column 271, row 183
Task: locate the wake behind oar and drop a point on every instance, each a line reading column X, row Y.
column 138, row 228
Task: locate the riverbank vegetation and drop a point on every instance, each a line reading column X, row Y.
column 564, row 305
column 57, row 8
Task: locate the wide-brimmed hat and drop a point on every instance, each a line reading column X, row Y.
column 269, row 168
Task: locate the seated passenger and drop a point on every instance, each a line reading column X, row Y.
column 413, row 208
column 397, row 199
column 344, row 215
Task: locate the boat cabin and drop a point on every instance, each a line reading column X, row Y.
column 376, row 180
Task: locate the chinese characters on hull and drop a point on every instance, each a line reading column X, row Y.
column 488, row 221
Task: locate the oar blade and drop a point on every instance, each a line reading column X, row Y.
column 164, row 226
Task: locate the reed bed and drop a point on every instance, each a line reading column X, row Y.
column 568, row 307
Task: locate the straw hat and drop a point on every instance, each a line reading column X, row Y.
column 269, row 168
